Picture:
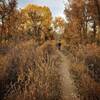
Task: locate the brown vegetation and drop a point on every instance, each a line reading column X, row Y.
column 32, row 77
column 29, row 60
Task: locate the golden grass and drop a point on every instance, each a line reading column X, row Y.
column 87, row 86
column 28, row 73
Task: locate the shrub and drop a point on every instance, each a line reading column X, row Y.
column 85, row 70
column 30, row 74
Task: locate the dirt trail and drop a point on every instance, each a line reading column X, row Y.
column 68, row 87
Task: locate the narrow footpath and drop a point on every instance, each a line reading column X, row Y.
column 68, row 88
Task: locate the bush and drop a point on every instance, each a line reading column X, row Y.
column 92, row 61
column 85, row 70
column 30, row 74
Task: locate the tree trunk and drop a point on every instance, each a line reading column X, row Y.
column 94, row 31
column 98, row 9
column 2, row 29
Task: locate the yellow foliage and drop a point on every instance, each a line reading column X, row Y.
column 44, row 12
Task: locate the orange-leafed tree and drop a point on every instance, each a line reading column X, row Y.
column 59, row 24
column 7, row 7
column 83, row 19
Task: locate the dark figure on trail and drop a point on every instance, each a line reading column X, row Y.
column 59, row 45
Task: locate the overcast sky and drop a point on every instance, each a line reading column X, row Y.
column 56, row 6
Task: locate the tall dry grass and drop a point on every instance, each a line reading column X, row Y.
column 85, row 70
column 28, row 73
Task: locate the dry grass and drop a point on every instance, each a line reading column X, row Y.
column 87, row 86
column 27, row 73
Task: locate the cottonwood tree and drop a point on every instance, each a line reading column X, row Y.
column 74, row 14
column 38, row 21
column 59, row 25
column 6, row 9
column 83, row 17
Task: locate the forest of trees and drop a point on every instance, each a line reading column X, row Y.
column 31, row 20
column 29, row 41
column 83, row 21
column 84, row 18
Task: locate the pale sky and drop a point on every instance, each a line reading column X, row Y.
column 56, row 6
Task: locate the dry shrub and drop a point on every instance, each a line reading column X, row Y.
column 85, row 70
column 87, row 88
column 29, row 73
column 92, row 61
